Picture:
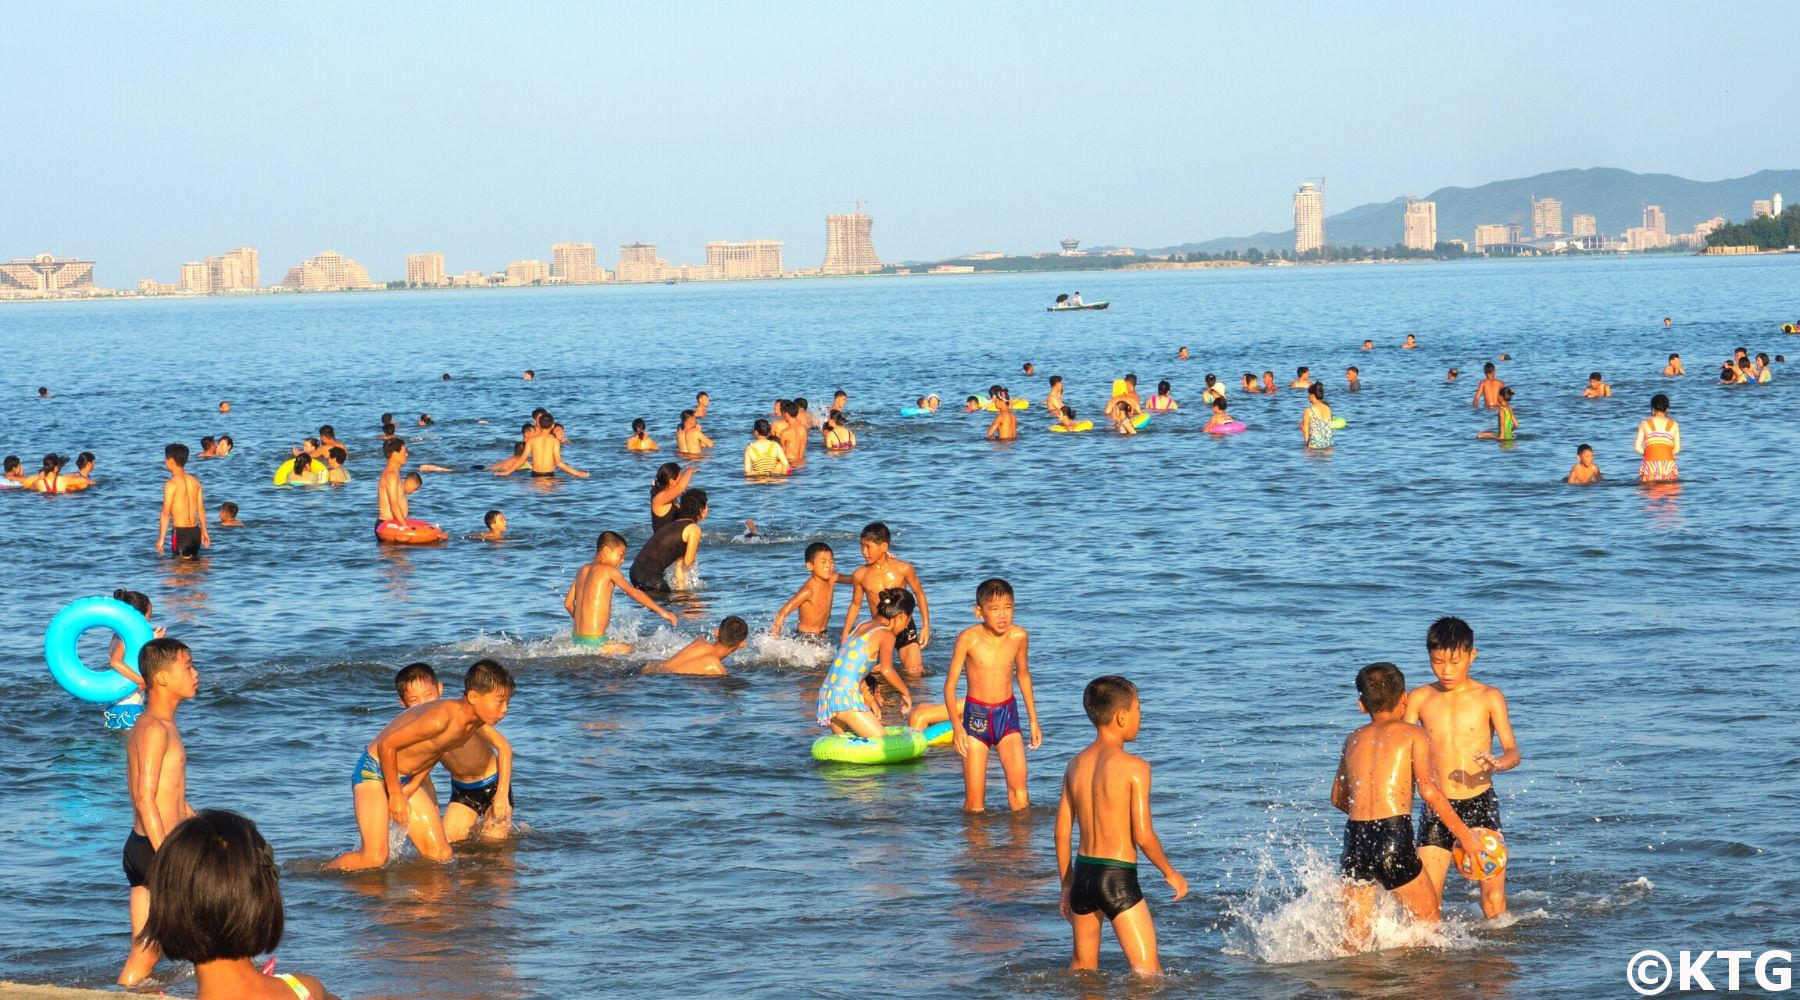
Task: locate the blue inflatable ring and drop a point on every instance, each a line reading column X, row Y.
column 61, row 655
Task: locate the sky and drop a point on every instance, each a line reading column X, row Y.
column 143, row 135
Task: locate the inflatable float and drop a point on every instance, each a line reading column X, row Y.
column 285, row 470
column 915, row 411
column 939, row 734
column 1080, row 426
column 105, row 686
column 901, row 743
column 1228, row 427
column 409, row 532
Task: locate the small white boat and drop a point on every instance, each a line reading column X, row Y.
column 1084, row 305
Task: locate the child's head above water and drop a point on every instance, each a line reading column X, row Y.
column 413, row 481
column 1105, row 697
column 610, row 547
column 1583, row 452
column 417, row 682
column 820, row 559
column 1380, row 686
column 732, row 632
column 494, row 520
column 138, row 601
column 1449, row 634
column 228, row 511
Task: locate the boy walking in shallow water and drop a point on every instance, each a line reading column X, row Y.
column 881, row 571
column 156, row 775
column 1106, row 792
column 1463, row 718
column 996, row 651
column 183, row 507
column 589, row 600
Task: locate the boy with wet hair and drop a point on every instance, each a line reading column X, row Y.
column 589, row 599
column 1464, row 718
column 1597, row 388
column 997, row 653
column 881, row 571
column 1106, row 792
column 1487, row 391
column 156, row 776
column 705, row 657
column 1005, row 425
column 392, row 779
column 495, row 522
column 228, row 515
column 335, row 473
column 183, row 507
column 13, row 470
column 1380, row 765
column 480, row 769
column 814, row 598
column 1584, row 471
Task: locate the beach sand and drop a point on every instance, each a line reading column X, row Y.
column 19, row 991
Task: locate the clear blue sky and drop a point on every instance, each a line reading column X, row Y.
column 143, row 135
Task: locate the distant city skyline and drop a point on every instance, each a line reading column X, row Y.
column 488, row 139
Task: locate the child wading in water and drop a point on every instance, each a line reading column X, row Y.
column 1508, row 427
column 867, row 649
column 1315, row 423
column 997, row 652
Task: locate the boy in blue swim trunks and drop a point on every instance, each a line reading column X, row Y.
column 996, row 652
column 480, row 770
column 589, row 600
column 395, row 768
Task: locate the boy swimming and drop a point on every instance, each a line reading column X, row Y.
column 997, row 653
column 1463, row 718
column 589, row 599
column 156, row 777
column 480, row 769
column 814, row 598
column 705, row 657
column 1005, row 425
column 1596, row 388
column 1584, row 471
column 228, row 515
column 1380, row 765
column 1674, row 367
column 183, row 508
column 396, row 766
column 1354, row 378
column 1106, row 792
column 881, row 572
column 495, row 522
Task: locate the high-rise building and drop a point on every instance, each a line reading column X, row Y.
column 1309, row 218
column 44, row 274
column 1546, row 217
column 196, row 278
column 330, row 271
column 527, row 272
column 1491, row 235
column 425, row 270
column 639, row 262
column 1762, row 208
column 848, row 246
column 1705, row 229
column 754, row 259
column 574, row 263
column 1421, row 224
column 235, row 270
column 1584, row 225
column 1654, row 220
column 1775, row 204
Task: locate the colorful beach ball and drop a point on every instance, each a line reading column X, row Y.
column 1491, row 861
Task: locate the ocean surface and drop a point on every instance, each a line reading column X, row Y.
column 679, row 839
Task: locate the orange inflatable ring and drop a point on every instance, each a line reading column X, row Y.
column 409, row 533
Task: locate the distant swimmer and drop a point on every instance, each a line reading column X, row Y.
column 690, row 440
column 1487, row 391
column 589, row 598
column 543, row 452
column 702, row 400
column 640, row 437
column 1353, row 379
column 792, row 433
column 1463, row 720
column 838, row 435
column 1760, row 369
column 1668, row 322
column 1005, row 425
column 1053, row 398
column 1507, row 428
column 1409, row 343
column 529, row 375
column 1380, row 766
column 1181, row 355
column 1315, row 421
column 182, row 522
column 1249, row 383
column 1268, row 383
column 1584, row 470
column 1451, row 376
column 228, row 515
column 335, row 473
column 996, row 652
column 814, row 598
column 1220, row 416
column 1596, row 387
column 480, row 769
column 1029, row 370
column 224, row 406
column 495, row 523
column 705, row 657
column 1368, row 345
column 1106, row 794
column 1674, row 367
column 391, row 782
column 1214, row 388
column 43, row 392
column 13, row 472
column 1162, row 402
column 1659, row 441
column 1302, row 378
column 1065, row 418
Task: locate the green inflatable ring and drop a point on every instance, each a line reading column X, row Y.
column 901, row 743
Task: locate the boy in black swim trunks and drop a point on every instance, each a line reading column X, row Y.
column 480, row 770
column 997, row 652
column 183, row 508
column 1381, row 763
column 1106, row 792
column 881, row 571
column 156, row 775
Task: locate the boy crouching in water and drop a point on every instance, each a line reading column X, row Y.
column 395, row 768
column 480, row 770
column 1106, row 791
column 1381, row 763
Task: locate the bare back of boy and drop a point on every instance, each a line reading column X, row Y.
column 590, row 606
column 1107, row 790
column 696, row 659
column 1374, row 787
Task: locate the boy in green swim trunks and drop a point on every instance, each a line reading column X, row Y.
column 396, row 766
column 480, row 770
column 1106, row 792
column 814, row 598
column 589, row 600
column 705, row 656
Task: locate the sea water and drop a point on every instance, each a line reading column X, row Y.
column 678, row 838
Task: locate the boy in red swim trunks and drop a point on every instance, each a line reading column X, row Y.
column 996, row 651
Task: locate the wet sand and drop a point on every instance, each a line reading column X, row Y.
column 20, row 991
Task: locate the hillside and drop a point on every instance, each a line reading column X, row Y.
column 1615, row 197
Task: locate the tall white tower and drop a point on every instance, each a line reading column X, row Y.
column 1309, row 218
column 1775, row 203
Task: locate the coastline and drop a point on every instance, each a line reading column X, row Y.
column 26, row 991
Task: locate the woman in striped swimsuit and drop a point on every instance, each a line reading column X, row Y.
column 1658, row 440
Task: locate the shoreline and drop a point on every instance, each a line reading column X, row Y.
column 28, row 991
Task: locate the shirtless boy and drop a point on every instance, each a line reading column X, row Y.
column 543, row 452
column 1596, row 388
column 690, row 440
column 1585, row 471
column 881, row 571
column 1053, row 400
column 1106, row 792
column 1381, row 763
column 589, row 600
column 1463, row 718
column 1302, row 378
column 480, row 769
column 996, row 651
column 392, row 778
column 390, row 491
column 1005, row 426
column 183, row 507
column 1674, row 367
column 791, row 433
column 705, row 657
column 814, row 598
column 156, row 776
column 1487, row 391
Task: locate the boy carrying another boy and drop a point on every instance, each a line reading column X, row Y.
column 1381, row 763
column 396, row 767
column 996, row 651
column 706, row 657
column 480, row 770
column 589, row 600
column 1106, row 792
column 881, row 571
column 156, row 776
column 813, row 599
column 1462, row 717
